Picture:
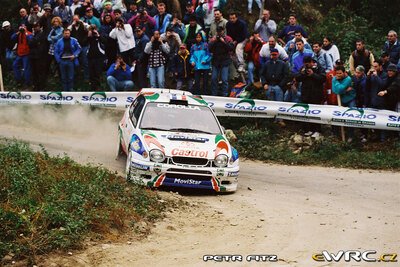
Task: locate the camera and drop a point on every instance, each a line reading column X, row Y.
column 21, row 29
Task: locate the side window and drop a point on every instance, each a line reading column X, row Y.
column 132, row 108
column 136, row 109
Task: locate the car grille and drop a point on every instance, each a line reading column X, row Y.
column 189, row 171
column 190, row 161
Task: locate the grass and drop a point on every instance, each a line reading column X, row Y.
column 263, row 140
column 50, row 203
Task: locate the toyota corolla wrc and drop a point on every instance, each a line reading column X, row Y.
column 173, row 138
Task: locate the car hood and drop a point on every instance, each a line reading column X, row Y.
column 177, row 144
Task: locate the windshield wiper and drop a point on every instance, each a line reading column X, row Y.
column 155, row 129
column 187, row 130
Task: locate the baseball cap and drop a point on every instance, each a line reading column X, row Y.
column 47, row 6
column 88, row 9
column 392, row 67
column 138, row 29
column 360, row 68
column 5, row 24
column 274, row 51
column 339, row 62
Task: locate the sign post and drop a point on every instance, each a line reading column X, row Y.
column 1, row 80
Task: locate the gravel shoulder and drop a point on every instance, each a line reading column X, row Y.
column 290, row 211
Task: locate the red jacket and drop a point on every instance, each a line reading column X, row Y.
column 22, row 44
column 329, row 96
column 252, row 49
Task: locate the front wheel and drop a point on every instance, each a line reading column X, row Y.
column 120, row 151
column 128, row 166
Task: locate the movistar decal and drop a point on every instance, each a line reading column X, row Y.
column 176, row 137
column 245, row 105
column 56, row 96
column 99, row 97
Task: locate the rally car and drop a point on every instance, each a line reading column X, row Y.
column 172, row 138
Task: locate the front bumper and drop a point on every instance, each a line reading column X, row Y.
column 181, row 175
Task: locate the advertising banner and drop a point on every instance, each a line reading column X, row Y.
column 227, row 107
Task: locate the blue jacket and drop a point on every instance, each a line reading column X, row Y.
column 163, row 27
column 120, row 74
column 200, row 54
column 287, row 32
column 360, row 85
column 59, row 49
column 297, row 59
column 339, row 87
column 55, row 35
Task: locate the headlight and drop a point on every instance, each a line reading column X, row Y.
column 221, row 160
column 157, row 155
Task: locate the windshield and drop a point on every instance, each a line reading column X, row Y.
column 180, row 118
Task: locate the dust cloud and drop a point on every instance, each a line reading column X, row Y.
column 78, row 131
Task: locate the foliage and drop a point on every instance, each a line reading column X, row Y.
column 49, row 203
column 268, row 144
column 344, row 28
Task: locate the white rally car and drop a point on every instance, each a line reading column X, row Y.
column 172, row 138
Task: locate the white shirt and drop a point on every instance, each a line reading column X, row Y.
column 125, row 38
column 333, row 52
column 264, row 52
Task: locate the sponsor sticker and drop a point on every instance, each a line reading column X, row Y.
column 220, row 172
column 178, row 137
column 140, row 166
column 189, row 153
column 236, row 173
column 173, row 106
column 186, row 181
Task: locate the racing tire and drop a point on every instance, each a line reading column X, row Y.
column 120, row 151
column 128, row 167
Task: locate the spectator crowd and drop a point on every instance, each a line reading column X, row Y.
column 142, row 43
